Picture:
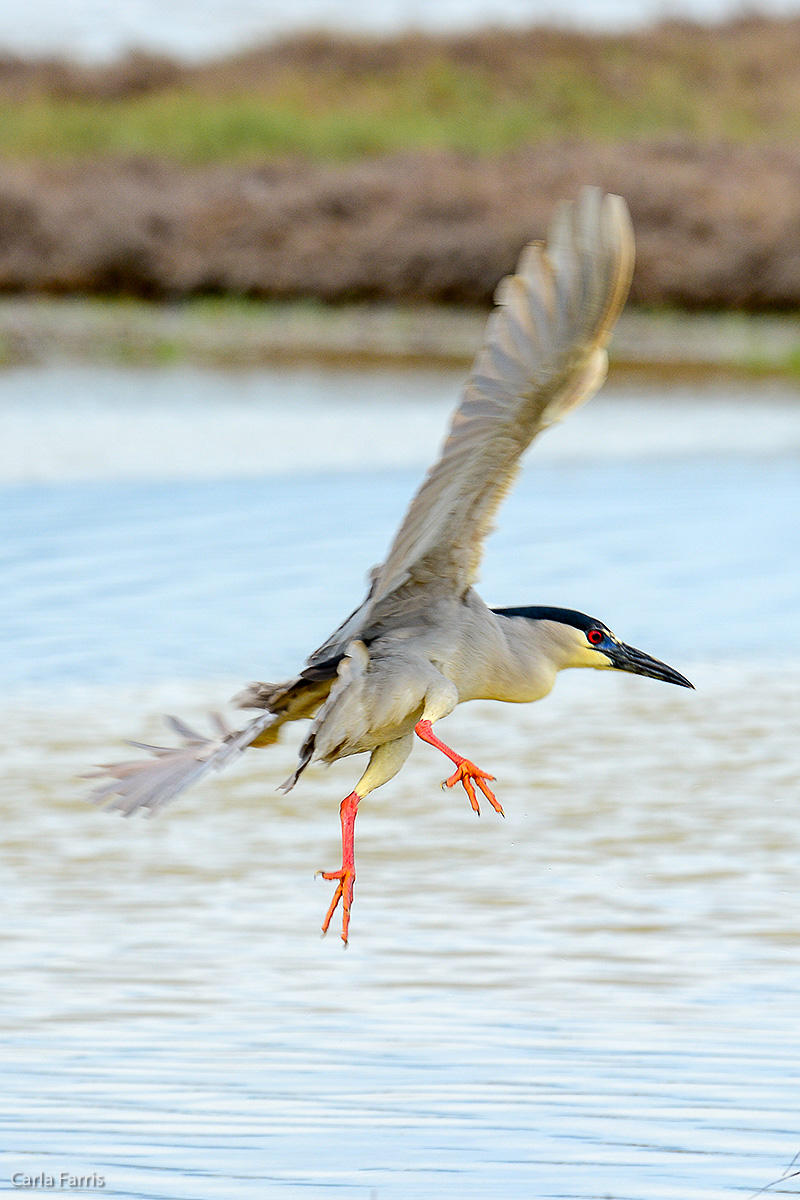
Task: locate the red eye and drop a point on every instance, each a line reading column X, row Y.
column 595, row 636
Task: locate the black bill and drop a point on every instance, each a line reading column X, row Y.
column 626, row 658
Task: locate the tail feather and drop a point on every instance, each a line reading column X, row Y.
column 151, row 783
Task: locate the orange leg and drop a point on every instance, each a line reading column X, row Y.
column 466, row 772
column 347, row 875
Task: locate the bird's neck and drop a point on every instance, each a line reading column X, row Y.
column 511, row 659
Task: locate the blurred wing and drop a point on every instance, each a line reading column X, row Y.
column 544, row 355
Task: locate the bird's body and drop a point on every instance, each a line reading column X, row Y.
column 423, row 641
column 460, row 651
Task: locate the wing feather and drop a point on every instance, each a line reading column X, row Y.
column 544, row 355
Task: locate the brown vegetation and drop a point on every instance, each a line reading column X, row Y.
column 408, row 168
column 137, row 74
column 751, row 58
column 715, row 226
column 335, row 97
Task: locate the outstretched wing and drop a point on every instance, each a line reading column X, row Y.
column 544, row 354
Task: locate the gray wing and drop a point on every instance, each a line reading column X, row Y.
column 544, row 354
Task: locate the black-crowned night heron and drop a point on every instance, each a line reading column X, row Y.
column 423, row 641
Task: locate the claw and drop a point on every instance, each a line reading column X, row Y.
column 344, row 893
column 465, row 773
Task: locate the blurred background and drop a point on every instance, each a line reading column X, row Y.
column 246, row 256
column 88, row 29
column 407, row 164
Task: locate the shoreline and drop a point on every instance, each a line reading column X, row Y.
column 236, row 334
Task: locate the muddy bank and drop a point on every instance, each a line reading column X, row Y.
column 715, row 227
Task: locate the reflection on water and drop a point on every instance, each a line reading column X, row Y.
column 597, row 996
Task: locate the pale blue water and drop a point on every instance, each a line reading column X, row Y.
column 134, row 582
column 597, row 997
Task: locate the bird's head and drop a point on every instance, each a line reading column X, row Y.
column 580, row 641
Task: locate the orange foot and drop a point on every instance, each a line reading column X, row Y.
column 465, row 773
column 346, row 875
column 344, row 893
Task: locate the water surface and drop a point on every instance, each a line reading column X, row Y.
column 596, row 997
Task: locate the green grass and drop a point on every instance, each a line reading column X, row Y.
column 438, row 103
